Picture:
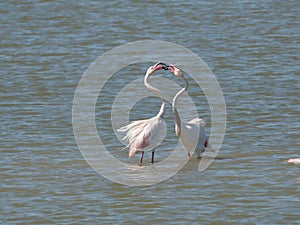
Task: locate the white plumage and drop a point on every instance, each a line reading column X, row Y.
column 193, row 136
column 294, row 161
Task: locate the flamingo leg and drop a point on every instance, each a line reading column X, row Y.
column 141, row 161
column 152, row 159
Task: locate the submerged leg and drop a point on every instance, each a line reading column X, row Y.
column 141, row 161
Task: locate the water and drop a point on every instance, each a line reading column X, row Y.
column 253, row 49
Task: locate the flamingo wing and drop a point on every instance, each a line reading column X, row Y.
column 143, row 134
column 197, row 121
column 193, row 136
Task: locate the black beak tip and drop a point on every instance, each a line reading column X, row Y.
column 164, row 66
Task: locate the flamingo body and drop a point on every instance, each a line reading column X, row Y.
column 144, row 135
column 295, row 161
column 193, row 136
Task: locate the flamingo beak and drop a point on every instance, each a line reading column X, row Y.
column 171, row 68
column 164, row 66
column 177, row 72
column 161, row 65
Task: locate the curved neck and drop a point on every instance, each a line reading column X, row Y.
column 159, row 93
column 186, row 85
column 176, row 115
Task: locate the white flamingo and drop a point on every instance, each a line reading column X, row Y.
column 145, row 135
column 192, row 133
column 295, row 160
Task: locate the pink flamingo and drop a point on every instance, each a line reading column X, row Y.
column 295, row 160
column 145, row 135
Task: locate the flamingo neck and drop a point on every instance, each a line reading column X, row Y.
column 177, row 122
column 159, row 93
column 176, row 115
column 162, row 109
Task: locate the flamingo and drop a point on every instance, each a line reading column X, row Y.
column 191, row 131
column 145, row 135
column 295, row 160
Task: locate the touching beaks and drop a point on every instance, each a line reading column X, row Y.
column 172, row 68
column 164, row 66
column 161, row 65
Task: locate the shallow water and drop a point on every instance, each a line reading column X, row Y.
column 252, row 48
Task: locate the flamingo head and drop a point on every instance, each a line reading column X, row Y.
column 177, row 72
column 157, row 66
